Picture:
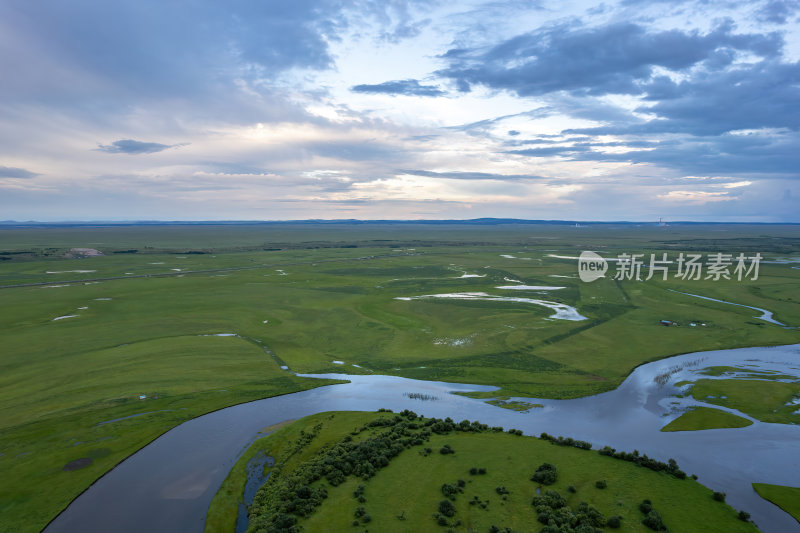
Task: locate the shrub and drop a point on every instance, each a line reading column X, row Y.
column 744, row 516
column 601, row 484
column 450, row 490
column 719, row 496
column 614, row 522
column 447, row 508
column 572, row 489
column 546, row 474
column 653, row 521
column 473, row 471
column 481, row 471
column 446, row 449
column 501, row 490
column 646, row 506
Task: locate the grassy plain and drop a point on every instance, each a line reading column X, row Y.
column 700, row 418
column 409, row 487
column 787, row 498
column 304, row 296
column 768, row 401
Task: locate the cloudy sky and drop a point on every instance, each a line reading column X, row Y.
column 274, row 110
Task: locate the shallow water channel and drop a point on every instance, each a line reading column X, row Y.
column 168, row 485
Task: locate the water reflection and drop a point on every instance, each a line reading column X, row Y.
column 168, row 485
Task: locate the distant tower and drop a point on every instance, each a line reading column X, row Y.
column 661, row 222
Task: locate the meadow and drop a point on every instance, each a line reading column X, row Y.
column 706, row 418
column 488, row 475
column 196, row 318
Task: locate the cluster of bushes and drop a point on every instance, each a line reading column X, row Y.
column 477, row 501
column 515, row 432
column 568, row 441
column 446, row 450
column 546, row 474
column 642, row 460
column 283, row 498
column 358, row 494
column 474, row 471
column 361, row 515
column 552, row 511
column 442, row 427
column 446, row 507
column 652, row 517
column 450, row 490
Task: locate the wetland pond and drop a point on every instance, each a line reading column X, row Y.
column 167, row 486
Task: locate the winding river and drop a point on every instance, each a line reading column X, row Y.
column 167, row 486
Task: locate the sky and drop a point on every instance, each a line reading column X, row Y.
column 390, row 109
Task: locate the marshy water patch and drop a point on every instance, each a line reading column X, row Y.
column 69, row 271
column 65, row 316
column 530, row 287
column 103, row 299
column 507, row 256
column 337, row 362
column 454, row 342
column 562, row 311
column 129, row 416
column 77, row 464
column 512, row 280
column 766, row 316
column 256, row 477
column 54, row 286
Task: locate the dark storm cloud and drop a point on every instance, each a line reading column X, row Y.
column 404, row 87
column 753, row 155
column 13, row 172
column 616, row 58
column 64, row 50
column 763, row 95
column 469, row 175
column 129, row 146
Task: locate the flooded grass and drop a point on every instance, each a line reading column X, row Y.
column 421, row 396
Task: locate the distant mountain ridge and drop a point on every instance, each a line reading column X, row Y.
column 353, row 221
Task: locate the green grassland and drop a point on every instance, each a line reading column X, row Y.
column 699, row 418
column 304, row 296
column 768, row 401
column 787, row 498
column 404, row 495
